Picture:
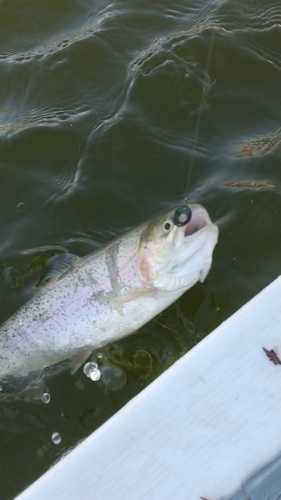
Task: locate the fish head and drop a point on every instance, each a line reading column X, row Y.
column 176, row 248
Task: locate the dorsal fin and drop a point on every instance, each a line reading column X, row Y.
column 56, row 266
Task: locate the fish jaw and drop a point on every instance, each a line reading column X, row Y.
column 196, row 261
column 183, row 258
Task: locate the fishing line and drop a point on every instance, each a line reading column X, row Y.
column 203, row 95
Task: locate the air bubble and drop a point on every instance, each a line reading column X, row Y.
column 92, row 371
column 21, row 205
column 113, row 377
column 56, row 438
column 46, row 398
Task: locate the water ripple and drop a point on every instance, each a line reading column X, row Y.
column 253, row 20
column 57, row 44
column 14, row 121
column 251, row 17
column 146, row 59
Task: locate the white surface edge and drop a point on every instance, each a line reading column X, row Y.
column 199, row 430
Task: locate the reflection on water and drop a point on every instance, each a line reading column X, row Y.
column 109, row 113
column 14, row 121
column 262, row 145
column 57, row 44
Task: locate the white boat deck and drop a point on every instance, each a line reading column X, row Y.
column 205, row 429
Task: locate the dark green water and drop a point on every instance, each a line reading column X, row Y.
column 110, row 113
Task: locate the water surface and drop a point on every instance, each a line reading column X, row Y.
column 110, row 113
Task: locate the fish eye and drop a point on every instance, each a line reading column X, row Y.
column 182, row 215
column 167, row 225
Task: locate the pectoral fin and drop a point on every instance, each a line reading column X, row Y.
column 79, row 359
column 134, row 294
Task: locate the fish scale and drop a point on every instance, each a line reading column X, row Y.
column 103, row 296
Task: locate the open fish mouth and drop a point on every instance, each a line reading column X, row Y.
column 198, row 221
column 194, row 226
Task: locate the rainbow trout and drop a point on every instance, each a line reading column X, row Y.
column 111, row 292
